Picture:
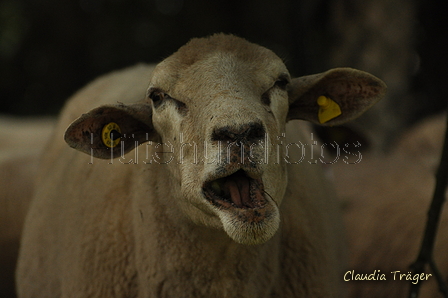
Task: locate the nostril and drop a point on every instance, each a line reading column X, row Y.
column 223, row 134
column 255, row 132
column 247, row 132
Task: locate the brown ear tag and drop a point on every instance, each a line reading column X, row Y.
column 328, row 109
column 111, row 134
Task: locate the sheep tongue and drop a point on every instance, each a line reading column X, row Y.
column 238, row 188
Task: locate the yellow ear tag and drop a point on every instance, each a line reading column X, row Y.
column 111, row 134
column 328, row 109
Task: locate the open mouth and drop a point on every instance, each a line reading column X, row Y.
column 237, row 190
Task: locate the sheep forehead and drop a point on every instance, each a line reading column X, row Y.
column 217, row 64
column 199, row 48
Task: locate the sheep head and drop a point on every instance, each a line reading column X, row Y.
column 222, row 103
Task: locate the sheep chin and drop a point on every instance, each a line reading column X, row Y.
column 251, row 227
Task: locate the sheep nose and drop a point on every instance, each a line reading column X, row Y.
column 250, row 132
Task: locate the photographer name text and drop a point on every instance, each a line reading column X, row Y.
column 376, row 275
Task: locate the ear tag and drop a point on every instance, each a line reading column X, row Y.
column 328, row 109
column 111, row 134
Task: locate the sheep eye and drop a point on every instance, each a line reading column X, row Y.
column 157, row 97
column 282, row 82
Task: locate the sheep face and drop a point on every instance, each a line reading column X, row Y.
column 224, row 108
column 221, row 105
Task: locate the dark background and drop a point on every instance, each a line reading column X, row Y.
column 51, row 48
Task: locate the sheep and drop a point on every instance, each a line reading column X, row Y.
column 422, row 143
column 190, row 215
column 22, row 143
column 387, row 200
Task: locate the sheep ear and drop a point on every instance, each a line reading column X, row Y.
column 112, row 130
column 334, row 97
